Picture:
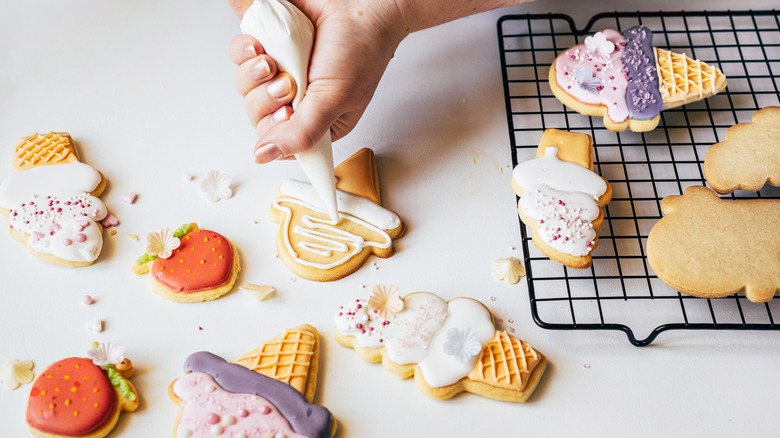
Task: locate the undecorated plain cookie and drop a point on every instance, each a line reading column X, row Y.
column 710, row 247
column 627, row 81
column 448, row 346
column 748, row 157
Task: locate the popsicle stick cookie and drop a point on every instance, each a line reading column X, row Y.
column 710, row 247
column 627, row 81
column 313, row 247
column 82, row 397
column 257, row 396
column 748, row 157
column 189, row 265
column 51, row 199
column 448, row 346
column 561, row 197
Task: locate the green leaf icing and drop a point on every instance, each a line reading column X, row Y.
column 119, row 382
column 145, row 258
column 181, row 231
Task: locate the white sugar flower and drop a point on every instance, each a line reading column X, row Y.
column 162, row 244
column 217, row 186
column 462, row 344
column 385, row 301
column 509, row 270
column 104, row 354
column 14, row 373
column 585, row 79
column 599, row 45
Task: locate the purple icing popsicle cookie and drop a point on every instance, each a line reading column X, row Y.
column 624, row 79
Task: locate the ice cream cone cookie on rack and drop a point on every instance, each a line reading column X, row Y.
column 82, row 397
column 189, row 265
column 312, row 246
column 624, row 79
column 561, row 198
column 51, row 199
column 448, row 346
column 259, row 395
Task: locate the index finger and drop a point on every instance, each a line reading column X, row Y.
column 243, row 48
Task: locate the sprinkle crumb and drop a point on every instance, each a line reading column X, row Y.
column 134, row 237
column 492, row 298
column 200, row 328
column 586, row 366
column 188, row 176
column 87, row 300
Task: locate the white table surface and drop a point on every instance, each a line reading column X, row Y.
column 145, row 87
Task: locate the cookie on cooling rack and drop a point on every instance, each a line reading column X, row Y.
column 624, row 79
column 710, row 247
column 561, row 198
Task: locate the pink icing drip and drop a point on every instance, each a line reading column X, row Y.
column 609, row 71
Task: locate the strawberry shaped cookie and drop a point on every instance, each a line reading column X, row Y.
column 189, row 265
column 82, row 397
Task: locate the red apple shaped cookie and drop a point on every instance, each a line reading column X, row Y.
column 82, row 397
column 189, row 265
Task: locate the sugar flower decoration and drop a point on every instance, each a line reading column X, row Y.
column 599, row 45
column 106, row 354
column 509, row 270
column 162, row 244
column 385, row 301
column 217, row 186
column 585, row 79
column 462, row 344
column 14, row 373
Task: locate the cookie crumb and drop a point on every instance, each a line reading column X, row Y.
column 95, row 325
column 133, row 237
column 188, row 176
column 112, row 232
column 262, row 292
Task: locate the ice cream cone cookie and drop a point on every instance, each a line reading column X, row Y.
column 627, row 81
column 82, row 397
column 189, row 265
column 51, row 199
column 561, row 198
column 315, row 248
column 448, row 346
column 256, row 396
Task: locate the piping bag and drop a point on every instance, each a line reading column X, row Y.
column 287, row 36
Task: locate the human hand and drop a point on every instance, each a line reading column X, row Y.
column 352, row 47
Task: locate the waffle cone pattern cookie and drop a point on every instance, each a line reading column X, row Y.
column 561, row 198
column 189, row 265
column 448, row 346
column 82, row 397
column 749, row 157
column 51, row 201
column 627, row 81
column 314, row 248
column 710, row 247
column 256, row 396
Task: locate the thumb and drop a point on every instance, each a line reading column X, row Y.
column 308, row 124
column 240, row 6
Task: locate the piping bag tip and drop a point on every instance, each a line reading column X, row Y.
column 317, row 164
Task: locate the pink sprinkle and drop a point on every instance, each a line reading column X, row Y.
column 109, row 221
column 87, row 300
column 212, row 418
column 67, row 242
column 359, row 306
column 587, row 243
column 129, row 198
column 243, row 413
column 80, row 238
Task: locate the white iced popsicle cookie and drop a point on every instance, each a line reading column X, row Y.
column 287, row 36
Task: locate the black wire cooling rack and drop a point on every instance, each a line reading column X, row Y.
column 620, row 291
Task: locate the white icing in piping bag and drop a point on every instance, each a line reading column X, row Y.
column 287, row 36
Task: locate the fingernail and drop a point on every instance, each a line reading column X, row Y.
column 248, row 50
column 267, row 153
column 259, row 69
column 279, row 87
column 278, row 116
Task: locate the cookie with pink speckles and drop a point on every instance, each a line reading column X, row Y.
column 624, row 79
column 52, row 201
